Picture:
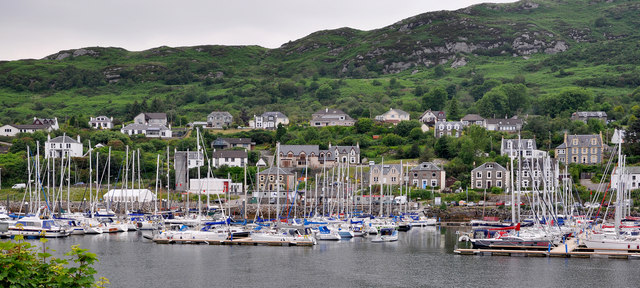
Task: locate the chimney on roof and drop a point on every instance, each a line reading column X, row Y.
column 78, row 137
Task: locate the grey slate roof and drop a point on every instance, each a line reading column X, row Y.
column 155, row 115
column 345, row 149
column 387, row 167
column 297, row 149
column 484, row 167
column 30, row 126
column 583, row 141
column 472, row 118
column 220, row 113
column 63, row 139
column 135, row 126
column 426, row 166
column 229, row 154
column 274, row 114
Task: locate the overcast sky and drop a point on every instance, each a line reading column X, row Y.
column 37, row 28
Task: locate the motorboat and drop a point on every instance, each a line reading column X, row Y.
column 386, row 235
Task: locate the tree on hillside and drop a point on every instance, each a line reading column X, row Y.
column 404, row 127
column 570, row 99
column 324, row 92
column 363, row 125
column 493, row 104
column 435, row 99
column 517, row 98
column 453, row 111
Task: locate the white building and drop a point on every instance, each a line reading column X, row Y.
column 101, row 122
column 13, row 129
column 151, row 130
column 60, row 146
column 393, row 116
column 209, row 186
column 231, row 158
column 269, row 120
column 630, row 178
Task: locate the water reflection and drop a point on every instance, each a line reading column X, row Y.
column 421, row 257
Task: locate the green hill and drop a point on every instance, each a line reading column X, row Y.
column 548, row 46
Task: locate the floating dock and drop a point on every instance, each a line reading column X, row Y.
column 242, row 241
column 569, row 249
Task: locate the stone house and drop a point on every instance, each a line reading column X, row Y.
column 427, row 175
column 219, row 119
column 583, row 149
column 490, row 174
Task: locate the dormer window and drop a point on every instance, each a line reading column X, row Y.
column 575, row 141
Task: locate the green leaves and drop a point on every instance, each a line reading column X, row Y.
column 22, row 266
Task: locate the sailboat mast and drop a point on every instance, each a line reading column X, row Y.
column 90, row 181
column 155, row 206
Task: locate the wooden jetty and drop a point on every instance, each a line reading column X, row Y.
column 242, row 241
column 570, row 248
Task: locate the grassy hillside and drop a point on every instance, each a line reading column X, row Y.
column 548, row 46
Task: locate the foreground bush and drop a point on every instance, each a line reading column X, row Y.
column 24, row 265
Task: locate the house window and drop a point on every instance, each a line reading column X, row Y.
column 479, row 174
column 433, row 174
column 593, row 141
column 525, row 183
column 394, row 179
column 488, row 174
column 478, row 184
column 434, row 183
column 575, row 142
column 525, row 173
column 594, row 159
column 499, row 174
column 489, row 184
column 499, row 184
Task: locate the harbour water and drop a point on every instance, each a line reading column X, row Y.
column 423, row 257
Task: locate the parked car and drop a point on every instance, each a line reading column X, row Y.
column 470, row 204
column 19, row 186
column 462, row 203
column 481, row 203
column 500, row 203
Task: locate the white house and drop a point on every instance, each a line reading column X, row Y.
column 393, row 116
column 231, row 158
column 60, row 146
column 331, row 117
column 151, row 130
column 630, row 178
column 52, row 122
column 13, row 129
column 101, row 122
column 269, row 120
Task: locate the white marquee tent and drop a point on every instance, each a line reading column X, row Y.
column 129, row 195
